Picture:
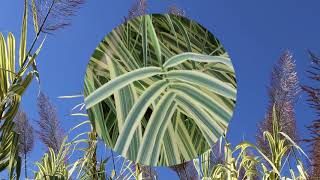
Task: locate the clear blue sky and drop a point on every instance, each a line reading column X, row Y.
column 254, row 33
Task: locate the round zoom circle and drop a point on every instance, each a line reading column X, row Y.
column 160, row 90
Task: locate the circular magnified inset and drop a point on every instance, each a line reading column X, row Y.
column 160, row 90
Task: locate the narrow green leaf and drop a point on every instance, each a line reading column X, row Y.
column 168, row 18
column 23, row 39
column 207, row 102
column 184, row 140
column 32, row 62
column 136, row 114
column 124, row 100
column 219, row 68
column 125, row 97
column 154, row 38
column 247, row 144
column 3, row 64
column 180, row 58
column 184, row 33
column 110, row 87
column 156, row 127
column 212, row 83
column 11, row 47
column 99, row 122
column 120, row 49
column 170, row 144
column 294, row 144
column 145, row 40
column 210, row 129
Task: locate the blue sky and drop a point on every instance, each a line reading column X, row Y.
column 254, row 33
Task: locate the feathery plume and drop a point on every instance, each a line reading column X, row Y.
column 176, row 11
column 55, row 14
column 139, row 8
column 50, row 133
column 283, row 90
column 26, row 138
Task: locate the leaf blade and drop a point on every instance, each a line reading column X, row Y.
column 156, row 127
column 182, row 57
column 110, row 87
column 202, row 79
column 154, row 38
column 136, row 114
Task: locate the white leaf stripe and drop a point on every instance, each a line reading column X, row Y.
column 114, row 41
column 219, row 68
column 156, row 127
column 182, row 57
column 137, row 45
column 119, row 96
column 11, row 55
column 154, row 38
column 144, row 40
column 97, row 122
column 110, row 87
column 201, row 118
column 124, row 100
column 136, row 114
column 170, row 145
column 206, row 101
column 23, row 38
column 211, row 83
column 184, row 141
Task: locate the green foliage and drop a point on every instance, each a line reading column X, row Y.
column 85, row 165
column 89, row 166
column 155, row 86
column 241, row 163
column 53, row 166
column 58, row 165
column 158, row 81
column 13, row 83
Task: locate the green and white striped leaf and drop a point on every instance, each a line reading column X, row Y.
column 156, row 128
column 183, row 57
column 166, row 75
column 136, row 114
column 154, row 38
column 211, row 83
column 109, row 88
